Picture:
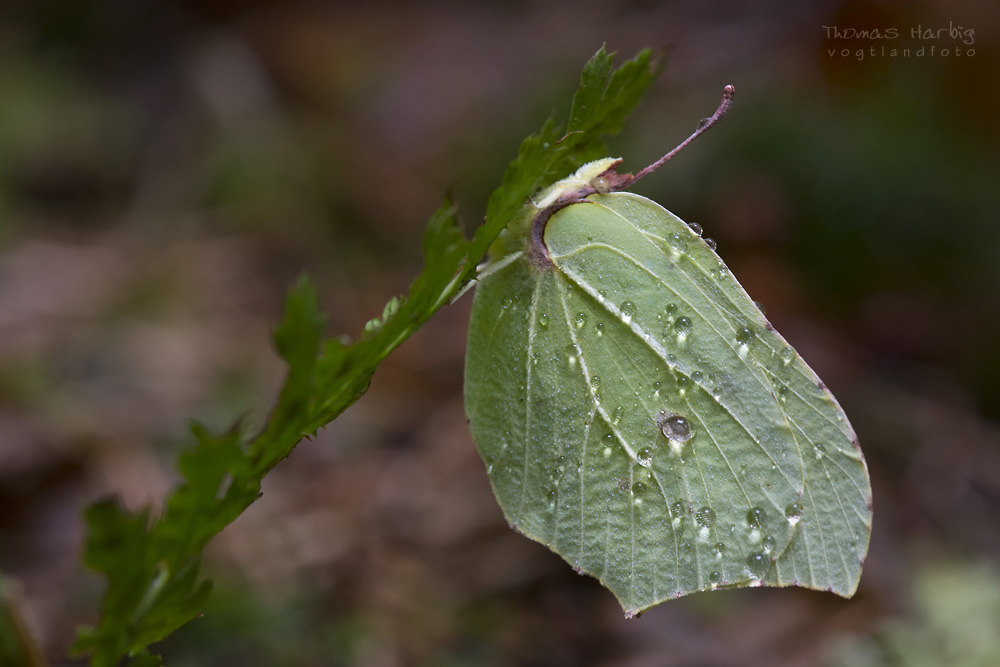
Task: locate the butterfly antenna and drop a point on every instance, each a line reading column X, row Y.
column 703, row 126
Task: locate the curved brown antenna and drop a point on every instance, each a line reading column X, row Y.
column 610, row 181
column 703, row 126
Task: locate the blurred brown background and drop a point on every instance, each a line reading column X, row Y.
column 168, row 168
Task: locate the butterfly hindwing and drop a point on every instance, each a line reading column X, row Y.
column 639, row 416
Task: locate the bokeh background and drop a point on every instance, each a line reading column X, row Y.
column 168, row 168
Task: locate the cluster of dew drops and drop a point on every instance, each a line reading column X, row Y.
column 763, row 546
column 677, row 430
column 677, row 328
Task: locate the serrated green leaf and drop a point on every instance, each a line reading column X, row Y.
column 599, row 108
column 602, row 102
column 116, row 542
column 152, row 568
column 639, row 416
column 593, row 80
column 298, row 335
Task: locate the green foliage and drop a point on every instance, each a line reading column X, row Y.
column 953, row 620
column 152, row 564
column 639, row 415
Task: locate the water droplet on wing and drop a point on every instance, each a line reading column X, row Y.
column 675, row 427
column 758, row 563
column 793, row 512
column 756, row 517
column 787, row 355
column 628, row 311
column 645, row 456
column 682, row 327
column 705, row 517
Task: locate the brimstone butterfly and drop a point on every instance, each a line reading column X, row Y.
column 639, row 415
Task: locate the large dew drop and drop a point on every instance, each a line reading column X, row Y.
column 676, row 429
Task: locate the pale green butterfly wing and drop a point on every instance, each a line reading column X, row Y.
column 576, row 370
